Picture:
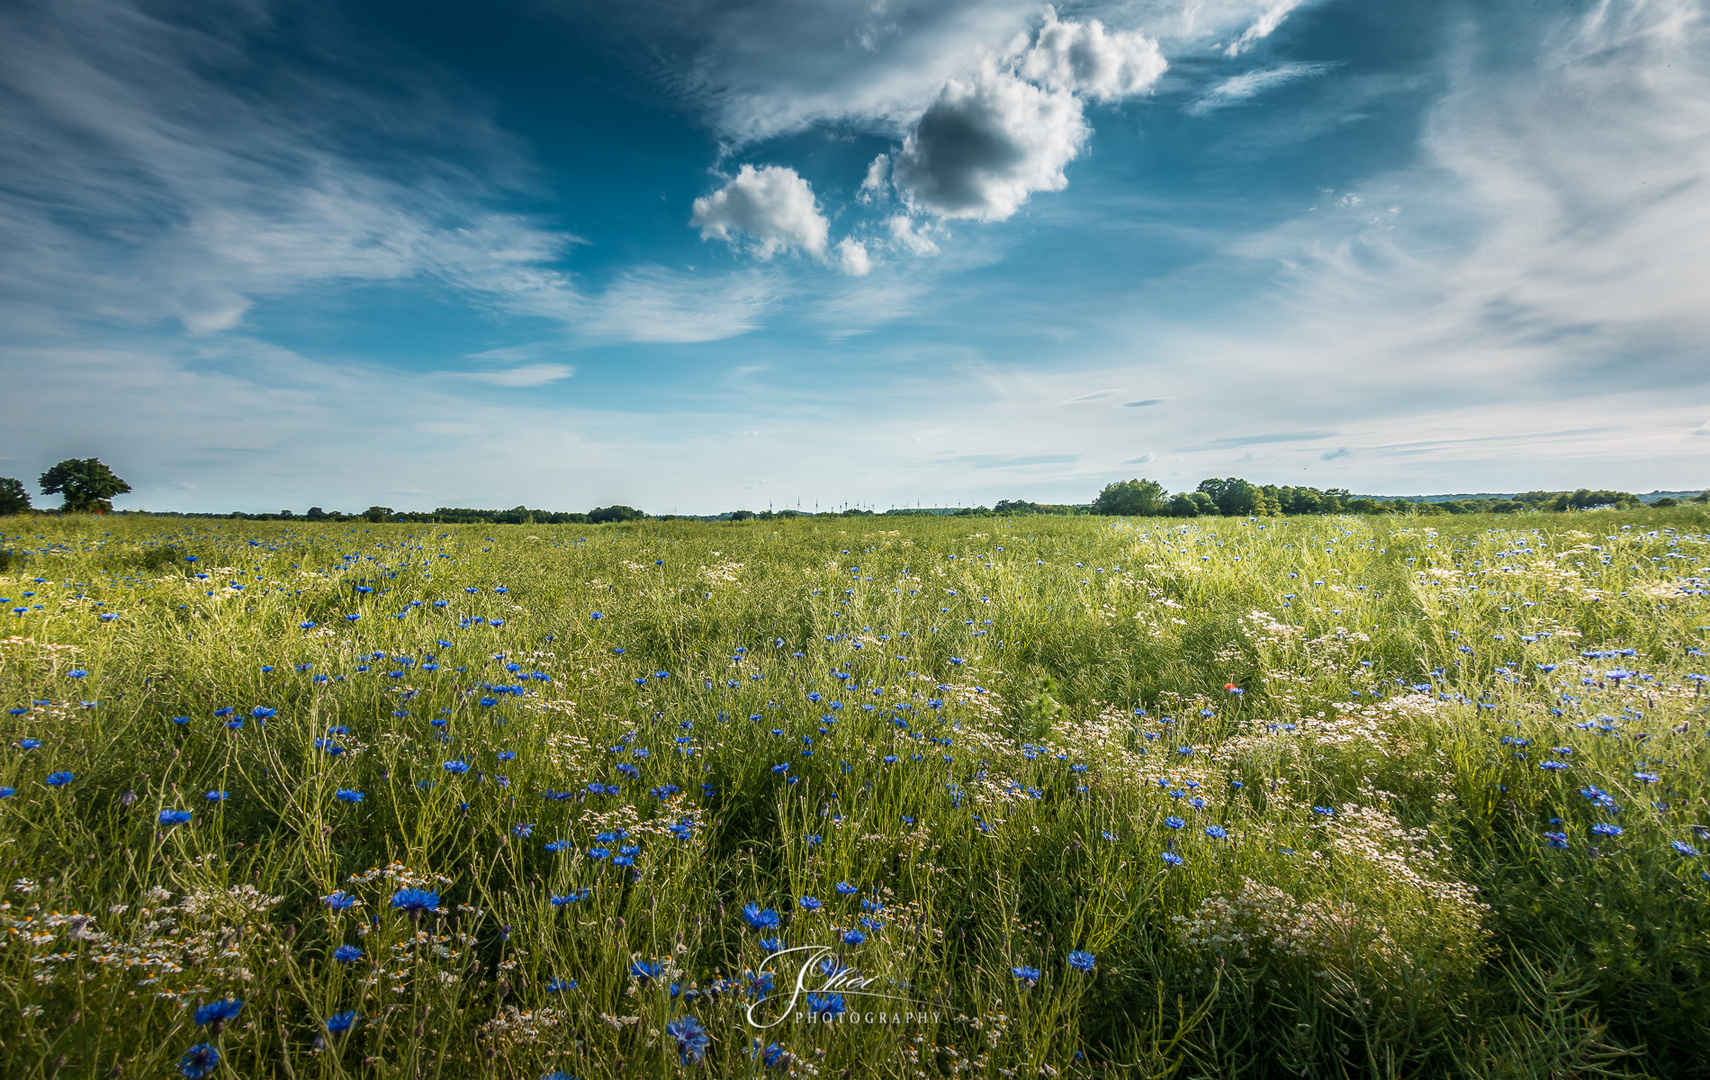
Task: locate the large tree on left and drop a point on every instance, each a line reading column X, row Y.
column 88, row 485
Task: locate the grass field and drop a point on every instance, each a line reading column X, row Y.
column 1052, row 796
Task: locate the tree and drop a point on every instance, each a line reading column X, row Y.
column 1130, row 498
column 13, row 498
column 378, row 513
column 1234, row 497
column 88, row 485
column 1182, row 505
column 604, row 514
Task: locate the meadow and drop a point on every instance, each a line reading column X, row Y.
column 1023, row 797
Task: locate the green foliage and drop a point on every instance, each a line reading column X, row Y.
column 1000, row 798
column 1130, row 498
column 1233, row 496
column 87, row 485
column 14, row 499
column 606, row 514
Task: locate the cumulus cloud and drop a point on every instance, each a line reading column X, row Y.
column 987, row 144
column 1263, row 27
column 772, row 204
column 1250, row 84
column 873, row 186
column 1086, row 59
column 852, row 257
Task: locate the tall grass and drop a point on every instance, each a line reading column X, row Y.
column 1285, row 779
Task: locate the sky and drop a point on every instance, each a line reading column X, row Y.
column 702, row 255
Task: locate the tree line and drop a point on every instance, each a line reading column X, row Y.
column 1235, row 497
column 88, row 486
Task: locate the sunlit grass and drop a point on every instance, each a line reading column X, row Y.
column 1283, row 778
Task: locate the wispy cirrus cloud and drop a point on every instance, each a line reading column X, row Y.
column 1239, row 89
column 138, row 182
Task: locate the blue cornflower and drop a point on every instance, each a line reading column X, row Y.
column 774, row 1056
column 1556, row 839
column 77, row 673
column 1327, row 811
column 174, row 817
column 1082, row 961
column 218, row 1012
column 853, row 937
column 347, row 795
column 846, row 889
column 559, row 986
column 1216, row 832
column 340, row 1022
column 809, row 903
column 216, row 796
column 415, row 900
column 645, row 970
column 1649, row 778
column 59, row 779
column 772, row 944
column 1683, row 847
column 1171, row 857
column 1027, row 975
column 7, row 792
column 825, row 1006
column 598, row 853
column 1606, row 829
column 458, row 767
column 758, row 918
column 1174, row 822
column 262, row 712
column 199, row 1061
column 339, row 900
column 692, row 1038
column 28, row 744
column 347, row 954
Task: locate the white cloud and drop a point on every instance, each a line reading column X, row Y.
column 1240, row 88
column 193, row 202
column 852, row 257
column 1263, row 27
column 1143, row 459
column 903, row 234
column 1086, row 59
column 772, row 205
column 669, row 307
column 526, row 375
column 873, row 185
column 763, row 68
column 1701, row 429
column 987, row 144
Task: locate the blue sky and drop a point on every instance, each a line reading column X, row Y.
column 695, row 256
